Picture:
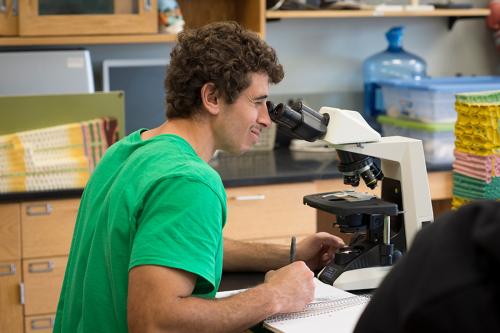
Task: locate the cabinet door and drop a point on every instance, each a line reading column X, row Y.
column 10, row 232
column 42, row 284
column 94, row 17
column 270, row 213
column 8, row 18
column 39, row 324
column 47, row 227
column 11, row 310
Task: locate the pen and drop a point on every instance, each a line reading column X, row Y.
column 293, row 249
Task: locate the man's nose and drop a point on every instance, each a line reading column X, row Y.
column 264, row 118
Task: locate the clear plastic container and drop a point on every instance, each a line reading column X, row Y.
column 438, row 139
column 395, row 63
column 431, row 99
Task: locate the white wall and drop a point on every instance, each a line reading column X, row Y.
column 323, row 57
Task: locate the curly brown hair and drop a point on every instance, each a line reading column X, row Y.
column 223, row 53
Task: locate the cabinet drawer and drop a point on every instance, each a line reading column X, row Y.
column 272, row 211
column 47, row 227
column 10, row 232
column 39, row 324
column 11, row 310
column 42, row 284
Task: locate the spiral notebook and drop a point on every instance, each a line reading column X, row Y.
column 332, row 310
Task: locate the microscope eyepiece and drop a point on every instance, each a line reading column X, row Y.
column 299, row 121
column 283, row 114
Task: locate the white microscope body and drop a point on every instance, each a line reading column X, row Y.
column 402, row 159
column 389, row 223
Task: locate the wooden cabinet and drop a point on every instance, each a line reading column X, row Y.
column 48, row 227
column 11, row 310
column 35, row 239
column 132, row 21
column 42, row 284
column 270, row 213
column 39, row 324
column 250, row 13
column 57, row 18
column 10, row 232
column 8, row 18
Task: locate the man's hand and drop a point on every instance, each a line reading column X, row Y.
column 292, row 286
column 318, row 249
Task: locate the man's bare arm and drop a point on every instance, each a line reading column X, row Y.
column 258, row 257
column 315, row 250
column 159, row 300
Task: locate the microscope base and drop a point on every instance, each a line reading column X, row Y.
column 363, row 278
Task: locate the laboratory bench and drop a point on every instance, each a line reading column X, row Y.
column 264, row 200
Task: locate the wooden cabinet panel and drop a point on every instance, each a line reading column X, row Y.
column 42, row 284
column 10, row 232
column 47, row 227
column 39, row 324
column 11, row 310
column 31, row 23
column 267, row 212
column 250, row 13
column 8, row 18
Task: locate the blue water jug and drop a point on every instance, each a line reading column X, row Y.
column 394, row 62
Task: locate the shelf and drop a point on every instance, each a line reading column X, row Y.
column 304, row 14
column 88, row 40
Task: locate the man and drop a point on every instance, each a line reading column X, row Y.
column 147, row 248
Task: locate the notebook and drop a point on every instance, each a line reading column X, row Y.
column 332, row 310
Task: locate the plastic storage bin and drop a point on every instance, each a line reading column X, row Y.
column 438, row 139
column 432, row 99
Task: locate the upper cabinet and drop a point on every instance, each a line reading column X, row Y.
column 8, row 18
column 89, row 17
column 53, row 22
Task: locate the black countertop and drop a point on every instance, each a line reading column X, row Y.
column 253, row 168
column 274, row 167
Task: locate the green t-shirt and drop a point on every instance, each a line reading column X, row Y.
column 153, row 202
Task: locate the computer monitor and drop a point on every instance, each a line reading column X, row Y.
column 142, row 80
column 45, row 72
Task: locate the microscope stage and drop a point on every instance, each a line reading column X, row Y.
column 350, row 202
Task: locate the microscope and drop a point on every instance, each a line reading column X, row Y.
column 383, row 227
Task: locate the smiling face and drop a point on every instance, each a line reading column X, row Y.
column 239, row 124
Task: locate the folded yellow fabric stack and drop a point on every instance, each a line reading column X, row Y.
column 54, row 158
column 476, row 170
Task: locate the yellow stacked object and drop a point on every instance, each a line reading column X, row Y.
column 476, row 172
column 476, row 129
column 59, row 157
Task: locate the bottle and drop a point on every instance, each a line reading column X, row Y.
column 393, row 63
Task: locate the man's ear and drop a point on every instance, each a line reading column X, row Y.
column 210, row 98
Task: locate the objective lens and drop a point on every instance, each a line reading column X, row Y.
column 352, row 180
column 369, row 179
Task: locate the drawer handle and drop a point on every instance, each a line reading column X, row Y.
column 39, row 209
column 147, row 5
column 41, row 267
column 15, row 7
column 21, row 293
column 42, row 323
column 7, row 269
column 249, row 197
